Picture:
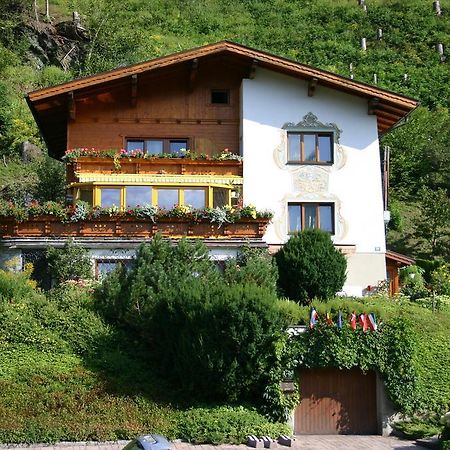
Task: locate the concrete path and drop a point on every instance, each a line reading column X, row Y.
column 300, row 443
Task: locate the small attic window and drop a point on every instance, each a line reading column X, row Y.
column 220, row 96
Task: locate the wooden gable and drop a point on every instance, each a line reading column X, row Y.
column 170, row 95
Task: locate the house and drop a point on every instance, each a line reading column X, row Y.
column 220, row 126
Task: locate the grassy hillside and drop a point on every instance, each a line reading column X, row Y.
column 67, row 375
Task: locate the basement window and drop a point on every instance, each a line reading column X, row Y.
column 220, row 97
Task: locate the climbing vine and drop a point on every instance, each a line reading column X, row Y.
column 389, row 350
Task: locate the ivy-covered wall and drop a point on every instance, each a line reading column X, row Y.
column 393, row 351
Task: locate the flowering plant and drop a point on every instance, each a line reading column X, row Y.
column 145, row 211
column 83, row 211
column 116, row 154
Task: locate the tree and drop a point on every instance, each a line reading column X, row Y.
column 252, row 266
column 309, row 266
column 211, row 338
column 434, row 222
column 71, row 262
column 51, row 184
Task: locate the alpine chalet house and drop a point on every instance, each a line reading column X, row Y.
column 224, row 127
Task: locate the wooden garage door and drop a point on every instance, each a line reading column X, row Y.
column 336, row 402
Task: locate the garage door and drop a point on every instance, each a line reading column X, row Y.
column 337, row 402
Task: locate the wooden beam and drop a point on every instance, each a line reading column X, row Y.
column 193, row 74
column 71, row 109
column 312, row 84
column 391, row 109
column 387, row 122
column 133, row 97
column 374, row 102
column 252, row 70
column 387, row 115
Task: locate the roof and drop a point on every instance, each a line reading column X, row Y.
column 399, row 258
column 388, row 106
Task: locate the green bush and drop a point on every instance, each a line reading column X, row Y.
column 130, row 297
column 207, row 337
column 412, row 282
column 69, row 263
column 440, row 280
column 309, row 266
column 252, row 265
column 215, row 340
column 225, row 424
column 418, row 429
column 16, row 286
column 51, row 185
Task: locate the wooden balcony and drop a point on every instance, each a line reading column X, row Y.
column 170, row 166
column 131, row 227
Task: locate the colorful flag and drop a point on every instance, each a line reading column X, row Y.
column 313, row 319
column 364, row 322
column 339, row 320
column 353, row 321
column 328, row 319
column 373, row 322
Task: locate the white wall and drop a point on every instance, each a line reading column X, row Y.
column 352, row 183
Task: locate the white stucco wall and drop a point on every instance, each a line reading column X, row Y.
column 352, row 183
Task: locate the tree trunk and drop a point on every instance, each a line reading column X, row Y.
column 47, row 12
column 36, row 10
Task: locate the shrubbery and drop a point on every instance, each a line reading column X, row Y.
column 309, row 266
column 211, row 337
column 225, row 425
column 69, row 263
column 252, row 266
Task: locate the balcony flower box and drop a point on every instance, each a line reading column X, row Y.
column 131, row 227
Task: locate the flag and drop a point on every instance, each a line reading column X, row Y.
column 353, row 321
column 313, row 319
column 373, row 322
column 339, row 320
column 328, row 319
column 363, row 321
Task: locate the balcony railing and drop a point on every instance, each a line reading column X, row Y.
column 151, row 166
column 131, row 227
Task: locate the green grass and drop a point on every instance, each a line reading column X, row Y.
column 67, row 376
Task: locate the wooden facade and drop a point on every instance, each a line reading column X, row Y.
column 171, row 103
column 394, row 262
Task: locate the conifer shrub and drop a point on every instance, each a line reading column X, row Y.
column 309, row 266
column 159, row 268
column 216, row 341
column 209, row 338
column 252, row 265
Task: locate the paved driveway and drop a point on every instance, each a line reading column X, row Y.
column 300, row 443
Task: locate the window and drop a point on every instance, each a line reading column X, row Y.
column 157, row 146
column 310, row 147
column 195, row 198
column 311, row 215
column 103, row 267
column 220, row 97
column 165, row 197
column 168, row 198
column 86, row 195
column 220, row 197
column 138, row 195
column 110, row 197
